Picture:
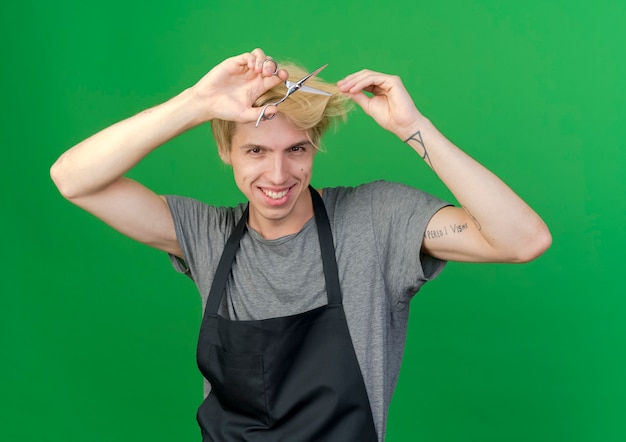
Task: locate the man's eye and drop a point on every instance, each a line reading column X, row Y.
column 297, row 148
column 255, row 150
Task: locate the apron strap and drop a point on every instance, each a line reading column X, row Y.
column 223, row 267
column 327, row 247
column 329, row 262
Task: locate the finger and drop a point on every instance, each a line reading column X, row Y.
column 268, row 83
column 264, row 63
column 361, row 99
column 270, row 112
column 282, row 74
column 246, row 59
column 252, row 114
column 269, row 67
column 254, row 59
column 365, row 81
column 358, row 74
column 349, row 81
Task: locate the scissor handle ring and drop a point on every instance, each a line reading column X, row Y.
column 262, row 115
column 270, row 59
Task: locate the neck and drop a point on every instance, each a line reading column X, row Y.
column 289, row 225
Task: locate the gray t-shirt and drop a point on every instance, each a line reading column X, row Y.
column 378, row 230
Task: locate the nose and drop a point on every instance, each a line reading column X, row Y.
column 278, row 166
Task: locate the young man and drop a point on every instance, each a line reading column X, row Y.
column 305, row 292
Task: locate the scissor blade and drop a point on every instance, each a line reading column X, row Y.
column 312, row 74
column 312, row 90
column 298, row 86
column 308, row 89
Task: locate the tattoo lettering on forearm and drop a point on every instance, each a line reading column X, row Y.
column 473, row 219
column 450, row 229
column 417, row 137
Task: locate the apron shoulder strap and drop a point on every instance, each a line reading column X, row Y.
column 225, row 264
column 327, row 246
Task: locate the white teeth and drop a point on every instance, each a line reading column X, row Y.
column 275, row 195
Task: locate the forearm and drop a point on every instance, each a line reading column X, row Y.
column 505, row 221
column 105, row 157
column 496, row 224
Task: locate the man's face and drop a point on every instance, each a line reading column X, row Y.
column 272, row 165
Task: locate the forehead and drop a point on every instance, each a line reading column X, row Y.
column 275, row 132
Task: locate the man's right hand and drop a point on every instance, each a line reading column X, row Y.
column 91, row 174
column 229, row 90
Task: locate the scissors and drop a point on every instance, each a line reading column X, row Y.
column 291, row 88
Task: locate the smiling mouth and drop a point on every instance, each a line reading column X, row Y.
column 275, row 195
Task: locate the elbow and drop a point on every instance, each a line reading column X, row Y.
column 535, row 246
column 61, row 181
column 57, row 178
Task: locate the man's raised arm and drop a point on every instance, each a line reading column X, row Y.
column 493, row 223
column 91, row 174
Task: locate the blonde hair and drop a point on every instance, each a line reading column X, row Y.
column 312, row 113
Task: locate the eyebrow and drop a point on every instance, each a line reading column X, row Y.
column 262, row 146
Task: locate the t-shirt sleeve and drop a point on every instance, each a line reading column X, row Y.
column 400, row 215
column 201, row 232
column 191, row 218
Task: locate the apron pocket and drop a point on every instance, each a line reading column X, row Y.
column 238, row 382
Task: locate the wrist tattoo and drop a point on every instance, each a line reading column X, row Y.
column 417, row 137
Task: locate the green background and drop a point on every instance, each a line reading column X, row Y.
column 98, row 334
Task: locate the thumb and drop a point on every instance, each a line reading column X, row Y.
column 253, row 114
